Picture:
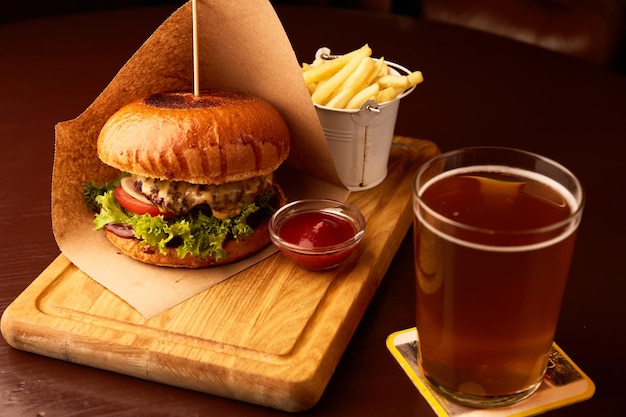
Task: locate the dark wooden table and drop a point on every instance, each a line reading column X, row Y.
column 479, row 89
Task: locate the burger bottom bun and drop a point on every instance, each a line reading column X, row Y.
column 235, row 249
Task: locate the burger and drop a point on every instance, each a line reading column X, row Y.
column 196, row 186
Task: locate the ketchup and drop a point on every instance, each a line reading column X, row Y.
column 314, row 230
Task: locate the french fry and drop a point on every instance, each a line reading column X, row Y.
column 329, row 68
column 368, row 93
column 393, row 87
column 415, row 78
column 360, row 77
column 355, row 82
column 384, row 68
column 322, row 92
column 388, row 94
column 339, row 100
column 381, row 68
column 390, row 80
column 349, row 80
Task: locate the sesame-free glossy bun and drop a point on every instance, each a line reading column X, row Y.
column 215, row 137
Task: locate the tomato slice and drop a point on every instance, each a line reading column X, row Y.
column 133, row 205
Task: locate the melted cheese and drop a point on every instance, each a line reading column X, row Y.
column 225, row 200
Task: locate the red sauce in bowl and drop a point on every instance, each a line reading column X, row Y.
column 314, row 229
column 313, row 232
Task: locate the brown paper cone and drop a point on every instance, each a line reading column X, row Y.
column 242, row 46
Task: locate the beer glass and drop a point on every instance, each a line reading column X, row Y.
column 494, row 234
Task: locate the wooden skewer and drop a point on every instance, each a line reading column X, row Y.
column 196, row 74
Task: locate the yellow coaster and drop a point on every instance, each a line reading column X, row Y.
column 563, row 384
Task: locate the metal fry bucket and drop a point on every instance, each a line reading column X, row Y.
column 360, row 139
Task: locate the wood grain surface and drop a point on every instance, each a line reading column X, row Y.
column 271, row 335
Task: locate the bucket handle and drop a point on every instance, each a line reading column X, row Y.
column 367, row 114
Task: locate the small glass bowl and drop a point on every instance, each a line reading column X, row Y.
column 317, row 234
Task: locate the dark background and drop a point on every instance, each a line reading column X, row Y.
column 16, row 10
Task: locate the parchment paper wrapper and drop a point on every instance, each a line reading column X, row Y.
column 242, row 47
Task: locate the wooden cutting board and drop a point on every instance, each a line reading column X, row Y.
column 271, row 335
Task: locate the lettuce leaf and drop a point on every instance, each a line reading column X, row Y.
column 110, row 210
column 91, row 191
column 200, row 235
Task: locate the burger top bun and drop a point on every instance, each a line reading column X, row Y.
column 215, row 137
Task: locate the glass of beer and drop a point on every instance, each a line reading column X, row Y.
column 494, row 235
